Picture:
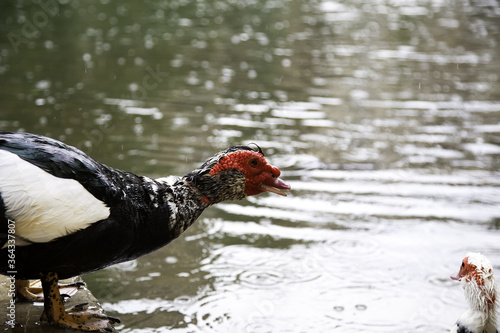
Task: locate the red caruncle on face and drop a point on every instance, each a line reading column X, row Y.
column 253, row 165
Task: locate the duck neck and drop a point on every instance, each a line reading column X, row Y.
column 481, row 297
column 223, row 186
column 183, row 203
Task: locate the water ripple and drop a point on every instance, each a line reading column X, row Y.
column 260, row 279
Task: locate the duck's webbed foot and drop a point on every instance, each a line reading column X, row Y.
column 28, row 291
column 80, row 317
column 33, row 291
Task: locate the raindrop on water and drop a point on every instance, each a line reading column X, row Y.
column 171, row 260
column 360, row 307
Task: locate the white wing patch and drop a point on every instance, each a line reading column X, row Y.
column 45, row 207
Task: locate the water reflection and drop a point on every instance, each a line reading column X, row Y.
column 384, row 117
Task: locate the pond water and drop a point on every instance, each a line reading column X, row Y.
column 383, row 116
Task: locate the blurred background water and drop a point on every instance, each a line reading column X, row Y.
column 384, row 117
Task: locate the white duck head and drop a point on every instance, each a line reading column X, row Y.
column 480, row 288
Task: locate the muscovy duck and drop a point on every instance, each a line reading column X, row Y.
column 64, row 214
column 480, row 288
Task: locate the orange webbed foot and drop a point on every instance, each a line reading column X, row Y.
column 33, row 291
column 80, row 317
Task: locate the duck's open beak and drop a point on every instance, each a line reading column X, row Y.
column 275, row 185
column 455, row 277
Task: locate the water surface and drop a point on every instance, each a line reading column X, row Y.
column 384, row 117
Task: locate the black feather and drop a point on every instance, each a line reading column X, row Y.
column 259, row 150
column 62, row 161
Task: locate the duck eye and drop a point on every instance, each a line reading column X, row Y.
column 253, row 162
column 463, row 264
